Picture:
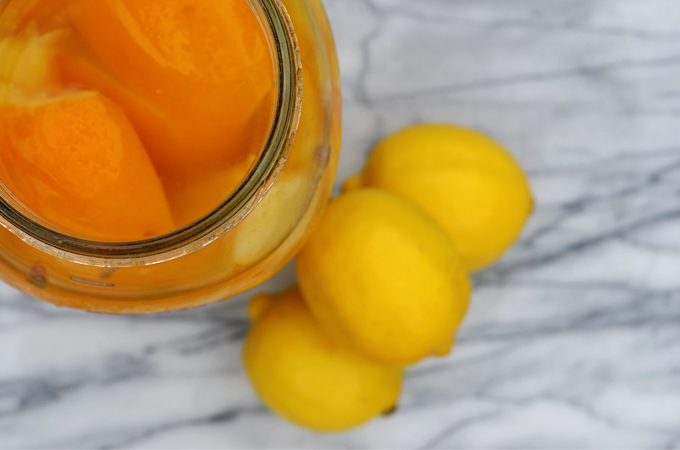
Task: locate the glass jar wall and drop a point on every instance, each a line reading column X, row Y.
column 256, row 225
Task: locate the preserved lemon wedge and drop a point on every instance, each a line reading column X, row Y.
column 75, row 161
column 204, row 63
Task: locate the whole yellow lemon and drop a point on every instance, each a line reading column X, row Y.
column 383, row 277
column 309, row 379
column 469, row 183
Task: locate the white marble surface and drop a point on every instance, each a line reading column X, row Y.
column 573, row 339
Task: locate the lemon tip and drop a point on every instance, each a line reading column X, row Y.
column 352, row 183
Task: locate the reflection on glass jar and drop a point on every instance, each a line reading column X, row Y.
column 161, row 154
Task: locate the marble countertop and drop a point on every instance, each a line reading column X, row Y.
column 573, row 338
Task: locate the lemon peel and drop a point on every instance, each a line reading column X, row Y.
column 307, row 378
column 466, row 181
column 381, row 276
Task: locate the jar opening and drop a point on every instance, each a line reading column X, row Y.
column 264, row 170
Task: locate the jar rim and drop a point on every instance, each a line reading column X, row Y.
column 228, row 214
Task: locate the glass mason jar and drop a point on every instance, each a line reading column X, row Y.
column 254, row 232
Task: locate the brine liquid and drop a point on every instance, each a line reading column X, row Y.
column 125, row 119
